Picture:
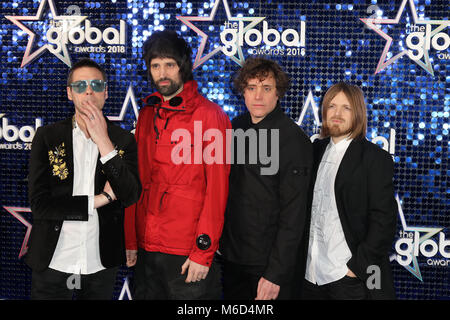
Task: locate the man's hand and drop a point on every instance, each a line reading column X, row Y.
column 131, row 257
column 100, row 200
column 351, row 274
column 109, row 190
column 97, row 128
column 267, row 290
column 196, row 272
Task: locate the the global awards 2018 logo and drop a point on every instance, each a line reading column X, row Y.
column 238, row 31
column 417, row 39
column 416, row 241
column 54, row 32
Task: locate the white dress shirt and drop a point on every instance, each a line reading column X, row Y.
column 328, row 252
column 77, row 250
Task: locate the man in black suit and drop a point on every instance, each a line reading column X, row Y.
column 267, row 204
column 353, row 209
column 82, row 174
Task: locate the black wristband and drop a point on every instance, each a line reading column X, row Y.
column 107, row 196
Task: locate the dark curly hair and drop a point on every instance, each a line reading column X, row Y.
column 261, row 68
column 168, row 44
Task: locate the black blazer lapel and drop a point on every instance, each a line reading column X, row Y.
column 351, row 160
column 319, row 149
column 66, row 136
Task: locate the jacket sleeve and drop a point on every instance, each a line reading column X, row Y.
column 130, row 228
column 211, row 219
column 382, row 214
column 294, row 178
column 122, row 172
column 45, row 205
column 131, row 242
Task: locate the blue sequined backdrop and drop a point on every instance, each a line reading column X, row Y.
column 408, row 101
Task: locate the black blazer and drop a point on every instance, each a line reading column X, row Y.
column 50, row 186
column 266, row 214
column 367, row 208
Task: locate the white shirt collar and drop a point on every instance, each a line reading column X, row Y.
column 77, row 131
column 341, row 145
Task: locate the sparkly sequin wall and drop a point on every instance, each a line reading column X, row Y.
column 396, row 51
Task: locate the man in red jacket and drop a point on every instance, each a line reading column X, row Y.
column 173, row 232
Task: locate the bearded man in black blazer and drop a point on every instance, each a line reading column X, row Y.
column 82, row 174
column 353, row 208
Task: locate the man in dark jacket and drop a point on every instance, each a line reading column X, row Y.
column 353, row 209
column 266, row 210
column 83, row 173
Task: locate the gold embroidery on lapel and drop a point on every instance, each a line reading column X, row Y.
column 57, row 162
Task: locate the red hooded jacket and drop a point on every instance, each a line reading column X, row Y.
column 182, row 205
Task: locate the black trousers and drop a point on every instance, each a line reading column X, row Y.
column 347, row 288
column 55, row 285
column 240, row 282
column 157, row 276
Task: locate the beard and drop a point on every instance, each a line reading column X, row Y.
column 336, row 130
column 169, row 89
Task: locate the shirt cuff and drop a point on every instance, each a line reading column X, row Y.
column 108, row 157
column 91, row 205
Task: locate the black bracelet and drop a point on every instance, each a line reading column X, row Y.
column 107, row 196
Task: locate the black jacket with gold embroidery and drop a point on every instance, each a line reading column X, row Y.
column 50, row 186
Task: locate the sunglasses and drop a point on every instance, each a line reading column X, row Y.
column 81, row 85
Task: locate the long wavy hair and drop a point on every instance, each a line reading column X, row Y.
column 356, row 98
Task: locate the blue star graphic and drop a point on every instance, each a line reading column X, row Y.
column 383, row 63
column 14, row 211
column 129, row 98
column 60, row 51
column 200, row 59
column 427, row 233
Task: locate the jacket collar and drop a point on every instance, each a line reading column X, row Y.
column 350, row 161
column 269, row 121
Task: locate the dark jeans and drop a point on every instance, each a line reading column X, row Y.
column 55, row 285
column 347, row 288
column 157, row 276
column 240, row 282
